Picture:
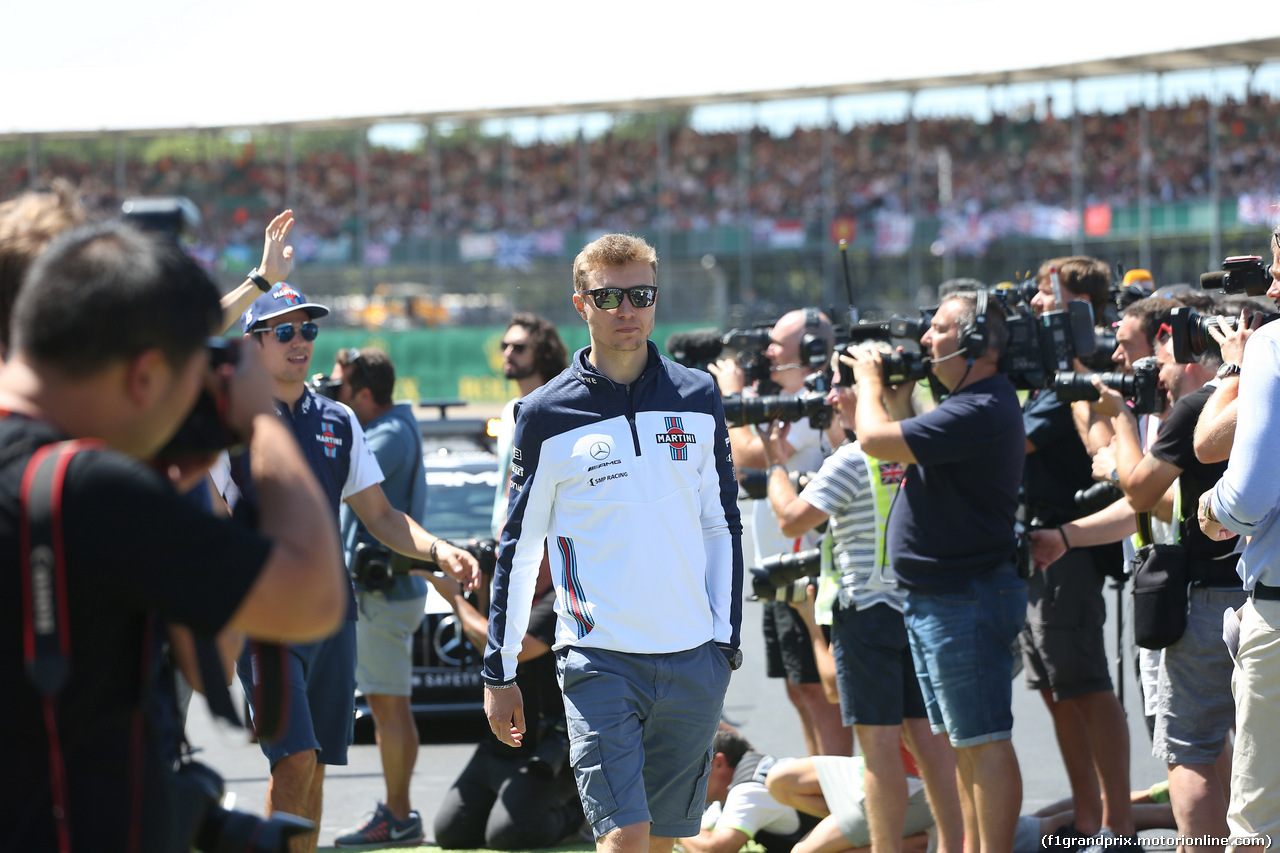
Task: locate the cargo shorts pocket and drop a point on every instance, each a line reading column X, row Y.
column 593, row 785
column 698, row 803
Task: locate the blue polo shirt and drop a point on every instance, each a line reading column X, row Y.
column 954, row 515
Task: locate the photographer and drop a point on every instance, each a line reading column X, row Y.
column 1062, row 644
column 799, row 343
column 515, row 797
column 1244, row 502
column 879, row 694
column 952, row 545
column 108, row 344
column 747, row 812
column 321, row 676
column 389, row 614
column 1193, row 703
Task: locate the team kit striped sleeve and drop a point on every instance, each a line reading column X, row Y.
column 633, row 490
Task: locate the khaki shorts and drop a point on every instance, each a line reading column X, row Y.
column 384, row 642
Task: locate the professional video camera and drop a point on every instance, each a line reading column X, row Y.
column 895, row 367
column 1245, row 274
column 700, row 347
column 1039, row 346
column 376, row 566
column 784, row 577
column 812, row 404
column 1140, row 387
column 201, row 823
column 1191, row 338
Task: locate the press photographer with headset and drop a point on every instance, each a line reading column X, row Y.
column 860, row 599
column 951, row 542
column 800, row 343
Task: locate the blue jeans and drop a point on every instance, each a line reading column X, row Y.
column 962, row 645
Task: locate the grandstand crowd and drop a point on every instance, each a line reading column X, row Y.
column 965, row 480
column 713, row 178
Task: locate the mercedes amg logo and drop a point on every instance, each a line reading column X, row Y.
column 600, row 450
column 451, row 647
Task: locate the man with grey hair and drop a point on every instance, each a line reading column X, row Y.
column 952, row 544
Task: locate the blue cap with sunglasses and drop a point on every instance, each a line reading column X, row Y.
column 281, row 299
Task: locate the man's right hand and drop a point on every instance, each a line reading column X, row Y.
column 1231, row 341
column 504, row 709
column 1047, row 547
column 277, row 258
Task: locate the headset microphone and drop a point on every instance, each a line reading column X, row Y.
column 955, row 354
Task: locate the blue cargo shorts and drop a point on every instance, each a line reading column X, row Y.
column 640, row 732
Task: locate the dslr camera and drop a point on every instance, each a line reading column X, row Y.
column 812, row 404
column 201, row 823
column 206, row 430
column 1139, row 388
column 376, row 567
column 785, row 577
column 1191, row 338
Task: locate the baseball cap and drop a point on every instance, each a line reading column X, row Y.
column 280, row 299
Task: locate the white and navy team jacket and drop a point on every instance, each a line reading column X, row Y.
column 633, row 489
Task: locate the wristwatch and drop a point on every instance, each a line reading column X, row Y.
column 733, row 656
column 1228, row 369
column 259, row 280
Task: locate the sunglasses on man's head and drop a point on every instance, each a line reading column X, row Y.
column 515, row 348
column 608, row 298
column 285, row 332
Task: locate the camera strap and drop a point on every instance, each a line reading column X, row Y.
column 268, row 668
column 46, row 631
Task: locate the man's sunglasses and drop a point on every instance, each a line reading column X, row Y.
column 285, row 332
column 515, row 348
column 608, row 298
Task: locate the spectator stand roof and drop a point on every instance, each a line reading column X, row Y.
column 1245, row 53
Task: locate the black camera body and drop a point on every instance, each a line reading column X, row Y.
column 1191, row 338
column 552, row 753
column 206, row 430
column 324, row 385
column 201, row 823
column 1241, row 274
column 754, row 482
column 1039, row 346
column 895, row 367
column 785, row 577
column 376, row 567
column 812, row 404
column 1098, row 496
column 1140, row 387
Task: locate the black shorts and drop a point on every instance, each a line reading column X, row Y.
column 788, row 651
column 1062, row 647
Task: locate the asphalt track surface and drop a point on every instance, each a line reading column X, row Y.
column 754, row 703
